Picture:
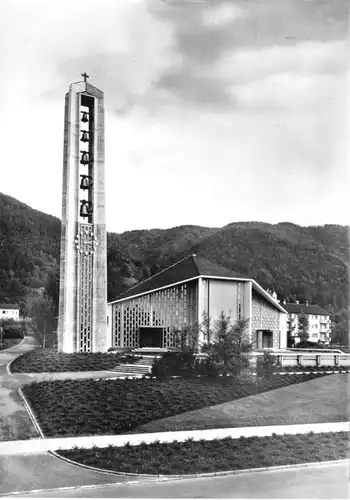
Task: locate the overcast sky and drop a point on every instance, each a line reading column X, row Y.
column 216, row 110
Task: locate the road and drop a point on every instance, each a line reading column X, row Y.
column 325, row 481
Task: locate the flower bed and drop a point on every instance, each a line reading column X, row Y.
column 192, row 457
column 84, row 407
column 49, row 360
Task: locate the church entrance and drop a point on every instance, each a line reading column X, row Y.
column 151, row 337
column 264, row 339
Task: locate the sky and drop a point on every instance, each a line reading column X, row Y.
column 217, row 111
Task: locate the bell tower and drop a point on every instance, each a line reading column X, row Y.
column 82, row 318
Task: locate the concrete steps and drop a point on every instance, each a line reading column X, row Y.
column 134, row 369
column 143, row 365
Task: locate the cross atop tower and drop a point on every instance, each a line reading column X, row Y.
column 85, row 75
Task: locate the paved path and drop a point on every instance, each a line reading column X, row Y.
column 40, row 445
column 325, row 481
column 44, row 471
column 14, row 420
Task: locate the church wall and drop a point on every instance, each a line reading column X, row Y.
column 171, row 307
column 223, row 295
column 231, row 297
column 265, row 317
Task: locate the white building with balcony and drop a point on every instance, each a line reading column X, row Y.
column 318, row 319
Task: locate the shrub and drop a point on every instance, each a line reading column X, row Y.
column 13, row 332
column 307, row 344
column 266, row 365
column 174, row 363
column 184, row 364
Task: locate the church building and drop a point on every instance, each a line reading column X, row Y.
column 186, row 293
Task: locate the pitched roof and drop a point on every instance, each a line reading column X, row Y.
column 188, row 268
column 9, row 306
column 305, row 309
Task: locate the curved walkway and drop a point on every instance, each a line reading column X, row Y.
column 19, row 472
column 14, row 419
column 44, row 471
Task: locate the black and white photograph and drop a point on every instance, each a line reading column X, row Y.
column 174, row 249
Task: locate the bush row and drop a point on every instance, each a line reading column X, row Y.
column 187, row 365
column 192, row 457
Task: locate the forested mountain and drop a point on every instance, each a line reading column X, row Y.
column 304, row 263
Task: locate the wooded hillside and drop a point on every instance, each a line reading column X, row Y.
column 304, row 263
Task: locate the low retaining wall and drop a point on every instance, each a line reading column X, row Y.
column 310, row 359
column 307, row 358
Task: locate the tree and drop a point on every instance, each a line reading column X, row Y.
column 290, row 335
column 52, row 289
column 303, row 327
column 229, row 345
column 186, row 337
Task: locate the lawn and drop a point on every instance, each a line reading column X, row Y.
column 83, row 407
column 191, row 457
column 323, row 399
column 49, row 360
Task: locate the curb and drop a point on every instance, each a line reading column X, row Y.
column 176, row 478
column 102, row 471
column 199, row 475
column 31, row 414
column 8, row 366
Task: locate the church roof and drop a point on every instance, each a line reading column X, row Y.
column 305, row 309
column 9, row 306
column 183, row 270
column 189, row 268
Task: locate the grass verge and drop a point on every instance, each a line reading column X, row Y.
column 83, row 407
column 194, row 457
column 321, row 400
column 49, row 360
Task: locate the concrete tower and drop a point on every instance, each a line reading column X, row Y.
column 83, row 267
